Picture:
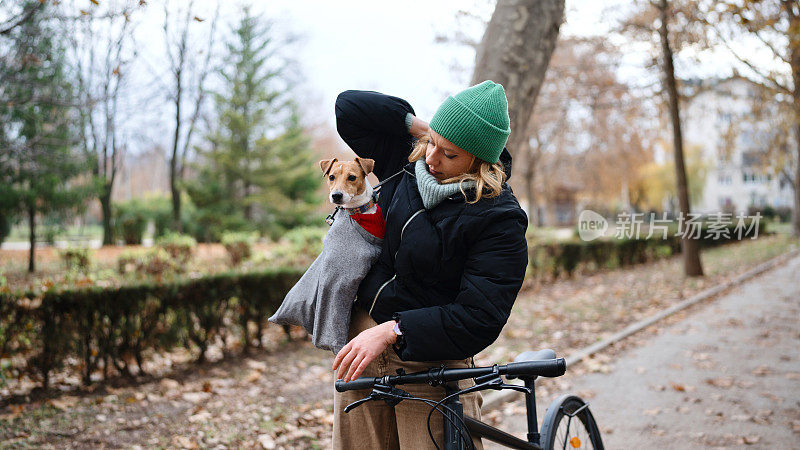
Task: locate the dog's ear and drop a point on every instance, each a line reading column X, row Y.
column 366, row 165
column 326, row 165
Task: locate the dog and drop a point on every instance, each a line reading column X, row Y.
column 322, row 299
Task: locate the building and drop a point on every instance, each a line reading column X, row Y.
column 722, row 118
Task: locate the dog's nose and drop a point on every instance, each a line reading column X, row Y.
column 337, row 197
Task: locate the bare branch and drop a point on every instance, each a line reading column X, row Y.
column 770, row 81
column 22, row 19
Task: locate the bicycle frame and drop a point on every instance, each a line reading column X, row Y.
column 480, row 429
column 485, row 378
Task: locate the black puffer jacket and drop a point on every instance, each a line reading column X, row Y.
column 451, row 274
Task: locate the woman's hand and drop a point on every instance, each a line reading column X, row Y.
column 354, row 357
column 418, row 128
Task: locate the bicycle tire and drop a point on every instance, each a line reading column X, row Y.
column 561, row 431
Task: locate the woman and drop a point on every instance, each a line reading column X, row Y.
column 453, row 256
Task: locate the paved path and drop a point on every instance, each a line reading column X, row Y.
column 728, row 376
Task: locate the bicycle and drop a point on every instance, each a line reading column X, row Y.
column 578, row 429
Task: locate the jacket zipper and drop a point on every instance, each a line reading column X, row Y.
column 379, row 292
column 402, row 230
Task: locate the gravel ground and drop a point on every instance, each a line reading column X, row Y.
column 724, row 377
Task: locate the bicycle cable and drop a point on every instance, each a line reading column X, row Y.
column 436, row 407
column 474, row 388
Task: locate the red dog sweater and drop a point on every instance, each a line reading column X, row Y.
column 374, row 223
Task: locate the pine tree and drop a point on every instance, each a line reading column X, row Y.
column 289, row 182
column 40, row 164
column 258, row 171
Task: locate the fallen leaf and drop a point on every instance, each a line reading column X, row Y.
column 750, row 440
column 260, row 366
column 64, row 402
column 168, row 384
column 720, row 382
column 202, row 416
column 761, row 371
column 253, row 376
column 184, row 442
column 266, row 441
column 677, row 387
column 195, row 397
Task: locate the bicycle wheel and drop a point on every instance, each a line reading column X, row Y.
column 568, row 424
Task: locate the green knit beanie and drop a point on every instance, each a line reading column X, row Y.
column 476, row 120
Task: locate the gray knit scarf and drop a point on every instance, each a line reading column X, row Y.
column 431, row 191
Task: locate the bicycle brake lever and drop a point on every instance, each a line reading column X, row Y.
column 514, row 387
column 357, row 403
column 496, row 383
column 391, row 395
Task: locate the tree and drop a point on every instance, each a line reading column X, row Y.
column 774, row 26
column 288, row 192
column 515, row 51
column 40, row 165
column 102, row 50
column 653, row 184
column 588, row 133
column 22, row 14
column 187, row 89
column 689, row 246
column 259, row 169
column 653, row 23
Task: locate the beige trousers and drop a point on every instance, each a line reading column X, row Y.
column 376, row 425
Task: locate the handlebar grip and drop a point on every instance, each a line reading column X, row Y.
column 542, row 368
column 358, row 383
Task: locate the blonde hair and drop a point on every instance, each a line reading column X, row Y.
column 488, row 177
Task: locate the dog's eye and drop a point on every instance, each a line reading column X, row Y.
column 331, row 177
column 351, row 178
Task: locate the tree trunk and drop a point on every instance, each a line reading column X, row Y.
column 533, row 213
column 105, row 206
column 32, row 236
column 689, row 246
column 794, row 51
column 176, row 201
column 530, row 184
column 248, row 207
column 796, row 212
column 174, row 170
column 515, row 52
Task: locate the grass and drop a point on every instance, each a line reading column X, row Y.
column 19, row 233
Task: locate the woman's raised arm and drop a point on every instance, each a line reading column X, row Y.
column 374, row 126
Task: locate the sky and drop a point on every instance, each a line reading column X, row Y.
column 384, row 46
column 391, row 47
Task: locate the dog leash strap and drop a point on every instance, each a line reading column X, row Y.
column 329, row 219
column 377, row 186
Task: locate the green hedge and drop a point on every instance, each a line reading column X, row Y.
column 554, row 259
column 116, row 325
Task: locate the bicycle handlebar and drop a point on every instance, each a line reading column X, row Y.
column 542, row 368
